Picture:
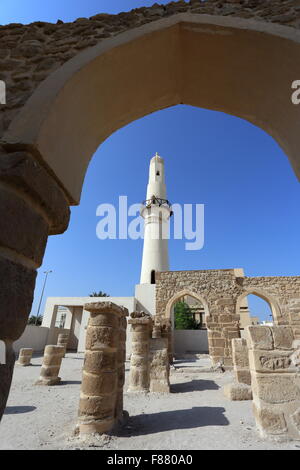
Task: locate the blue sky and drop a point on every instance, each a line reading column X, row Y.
column 250, row 192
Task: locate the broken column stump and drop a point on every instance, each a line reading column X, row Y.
column 25, row 356
column 62, row 340
column 139, row 376
column 159, row 356
column 101, row 397
column 52, row 360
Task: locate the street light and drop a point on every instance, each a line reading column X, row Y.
column 42, row 294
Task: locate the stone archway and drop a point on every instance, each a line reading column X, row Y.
column 168, row 313
column 58, row 114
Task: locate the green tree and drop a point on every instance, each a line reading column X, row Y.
column 183, row 316
column 99, row 294
column 34, row 320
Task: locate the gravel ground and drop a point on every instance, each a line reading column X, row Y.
column 195, row 415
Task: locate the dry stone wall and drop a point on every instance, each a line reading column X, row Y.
column 30, row 53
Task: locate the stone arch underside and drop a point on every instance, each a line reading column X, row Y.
column 238, row 66
column 182, row 293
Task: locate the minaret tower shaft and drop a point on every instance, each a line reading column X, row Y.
column 156, row 211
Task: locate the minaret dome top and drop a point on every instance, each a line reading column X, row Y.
column 157, row 158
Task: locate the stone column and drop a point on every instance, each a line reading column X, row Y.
column 32, row 206
column 62, row 340
column 121, row 358
column 139, row 377
column 241, row 388
column 99, row 389
column 241, row 361
column 53, row 356
column 274, row 358
column 222, row 328
column 159, row 356
column 25, row 356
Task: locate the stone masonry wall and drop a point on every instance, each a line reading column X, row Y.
column 30, row 53
column 221, row 290
column 274, row 358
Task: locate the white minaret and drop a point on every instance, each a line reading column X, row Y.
column 156, row 212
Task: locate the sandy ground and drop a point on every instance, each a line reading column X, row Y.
column 195, row 415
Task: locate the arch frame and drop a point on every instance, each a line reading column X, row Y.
column 269, row 298
column 42, row 128
column 182, row 293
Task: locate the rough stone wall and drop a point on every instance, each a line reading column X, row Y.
column 274, row 358
column 221, row 289
column 30, row 53
column 286, row 291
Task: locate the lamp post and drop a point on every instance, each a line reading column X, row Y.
column 42, row 294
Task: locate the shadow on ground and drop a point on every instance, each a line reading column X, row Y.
column 174, row 420
column 70, row 382
column 15, row 410
column 194, row 386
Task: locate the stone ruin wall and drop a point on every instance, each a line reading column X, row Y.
column 221, row 290
column 274, row 357
column 30, row 53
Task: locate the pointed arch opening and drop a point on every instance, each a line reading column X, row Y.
column 257, row 307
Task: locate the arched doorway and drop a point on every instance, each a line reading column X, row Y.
column 187, row 311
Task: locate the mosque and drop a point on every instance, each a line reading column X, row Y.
column 67, row 313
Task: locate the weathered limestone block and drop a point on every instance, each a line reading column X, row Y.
column 237, row 391
column 275, row 375
column 241, row 361
column 139, row 377
column 271, row 422
column 62, row 340
column 121, row 358
column 159, row 357
column 101, row 397
column 261, row 337
column 241, row 388
column 25, row 356
column 52, row 360
column 283, row 337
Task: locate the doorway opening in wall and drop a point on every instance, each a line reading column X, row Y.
column 189, row 331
